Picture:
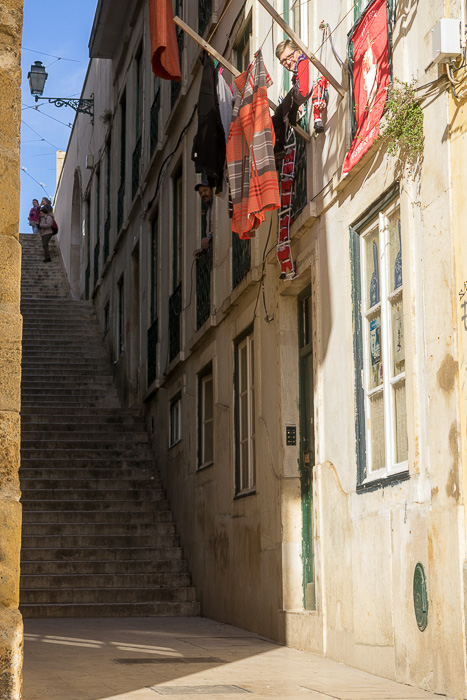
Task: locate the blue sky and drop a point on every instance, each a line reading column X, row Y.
column 62, row 30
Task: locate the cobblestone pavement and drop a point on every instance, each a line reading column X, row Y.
column 149, row 658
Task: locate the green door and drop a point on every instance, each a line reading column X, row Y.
column 307, row 452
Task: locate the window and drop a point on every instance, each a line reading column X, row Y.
column 177, row 230
column 245, row 419
column 242, row 47
column 155, row 109
column 87, row 243
column 175, row 419
column 153, row 330
column 108, row 163
column 121, row 189
column 138, row 93
column 204, row 15
column 175, row 88
column 98, row 225
column 121, row 316
column 205, row 418
column 382, row 443
column 107, row 318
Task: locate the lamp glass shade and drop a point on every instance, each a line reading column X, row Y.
column 37, row 77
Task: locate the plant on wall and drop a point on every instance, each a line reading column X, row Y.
column 403, row 125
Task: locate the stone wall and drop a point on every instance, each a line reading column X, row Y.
column 11, row 630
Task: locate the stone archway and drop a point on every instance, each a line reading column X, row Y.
column 75, row 238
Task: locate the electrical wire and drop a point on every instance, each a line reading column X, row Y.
column 41, row 137
column 38, row 109
column 24, row 170
column 59, row 58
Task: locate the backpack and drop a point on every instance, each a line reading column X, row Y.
column 54, row 227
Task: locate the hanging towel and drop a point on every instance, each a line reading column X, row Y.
column 208, row 152
column 164, row 50
column 250, row 153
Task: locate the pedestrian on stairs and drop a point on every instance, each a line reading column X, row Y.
column 33, row 217
column 45, row 229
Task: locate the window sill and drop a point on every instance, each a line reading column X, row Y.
column 202, row 467
column 244, row 494
column 381, row 482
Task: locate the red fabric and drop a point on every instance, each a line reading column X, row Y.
column 318, row 98
column 370, row 77
column 164, row 50
column 303, row 75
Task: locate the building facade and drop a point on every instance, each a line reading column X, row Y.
column 311, row 431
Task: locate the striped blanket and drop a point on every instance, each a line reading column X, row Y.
column 250, row 154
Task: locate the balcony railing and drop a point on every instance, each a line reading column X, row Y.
column 175, row 310
column 299, row 197
column 96, row 262
column 107, row 237
column 241, row 259
column 135, row 168
column 204, row 15
column 87, row 276
column 203, row 287
column 155, row 109
column 121, row 197
column 153, row 338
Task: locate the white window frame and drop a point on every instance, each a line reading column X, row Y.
column 175, row 421
column 205, row 424
column 389, row 383
column 248, row 485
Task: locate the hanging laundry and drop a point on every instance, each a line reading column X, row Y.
column 208, row 151
column 225, row 98
column 164, row 50
column 284, row 245
column 250, row 152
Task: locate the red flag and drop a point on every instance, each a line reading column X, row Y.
column 370, row 78
column 164, row 50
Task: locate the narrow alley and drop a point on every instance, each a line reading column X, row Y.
column 143, row 658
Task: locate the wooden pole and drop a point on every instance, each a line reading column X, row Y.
column 309, row 54
column 207, row 47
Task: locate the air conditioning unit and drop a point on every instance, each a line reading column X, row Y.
column 446, row 40
column 89, row 162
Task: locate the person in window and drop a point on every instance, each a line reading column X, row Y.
column 205, row 191
column 292, row 59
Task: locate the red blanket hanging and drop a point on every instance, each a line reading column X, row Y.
column 164, row 50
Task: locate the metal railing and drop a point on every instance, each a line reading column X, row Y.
column 175, row 310
column 153, row 339
column 136, row 158
column 299, row 197
column 107, row 237
column 120, row 200
column 154, row 124
column 241, row 259
column 96, row 261
column 203, row 287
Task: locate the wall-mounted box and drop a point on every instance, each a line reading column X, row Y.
column 89, row 162
column 446, row 40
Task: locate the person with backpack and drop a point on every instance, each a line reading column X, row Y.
column 46, row 224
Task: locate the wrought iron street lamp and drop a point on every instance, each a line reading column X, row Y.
column 37, row 77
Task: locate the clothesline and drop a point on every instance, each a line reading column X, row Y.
column 207, row 47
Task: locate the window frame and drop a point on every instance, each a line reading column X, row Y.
column 376, row 218
column 247, row 339
column 121, row 316
column 204, row 377
column 175, row 420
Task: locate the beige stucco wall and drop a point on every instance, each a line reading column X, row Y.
column 11, row 631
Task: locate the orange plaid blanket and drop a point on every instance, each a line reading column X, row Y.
column 250, row 152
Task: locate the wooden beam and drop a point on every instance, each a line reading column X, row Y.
column 207, row 47
column 309, row 54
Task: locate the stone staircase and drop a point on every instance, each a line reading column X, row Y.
column 98, row 537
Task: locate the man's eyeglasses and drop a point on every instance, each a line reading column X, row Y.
column 286, row 59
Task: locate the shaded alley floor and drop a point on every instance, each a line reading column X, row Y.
column 147, row 658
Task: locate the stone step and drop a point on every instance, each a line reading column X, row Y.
column 68, row 496
column 101, row 518
column 79, row 464
column 118, row 567
column 166, row 609
column 84, row 414
column 63, row 596
column 105, row 581
column 123, row 506
column 94, row 541
column 87, row 451
column 82, row 483
column 87, row 554
column 105, row 436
